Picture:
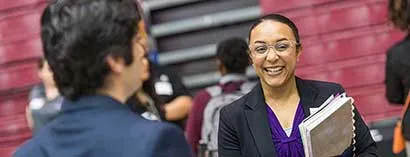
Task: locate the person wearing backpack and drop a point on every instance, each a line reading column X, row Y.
column 232, row 61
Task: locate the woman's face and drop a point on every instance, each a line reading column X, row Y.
column 273, row 53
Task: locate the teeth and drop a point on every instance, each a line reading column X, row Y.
column 274, row 69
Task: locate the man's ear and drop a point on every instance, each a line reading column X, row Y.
column 116, row 64
column 219, row 64
column 221, row 67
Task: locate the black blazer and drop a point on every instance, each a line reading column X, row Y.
column 398, row 78
column 398, row 71
column 244, row 128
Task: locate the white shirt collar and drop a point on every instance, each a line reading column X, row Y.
column 232, row 78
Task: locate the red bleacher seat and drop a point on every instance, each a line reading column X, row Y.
column 355, row 76
column 20, row 27
column 23, row 76
column 7, row 151
column 15, row 139
column 365, row 84
column 17, row 3
column 19, row 48
column 20, row 51
column 280, row 5
column 347, row 48
column 13, row 125
column 336, row 19
column 13, row 104
column 373, row 106
column 352, row 33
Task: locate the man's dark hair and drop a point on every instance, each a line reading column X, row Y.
column 233, row 55
column 277, row 18
column 78, row 35
column 399, row 14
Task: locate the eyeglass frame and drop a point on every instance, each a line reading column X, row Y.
column 279, row 53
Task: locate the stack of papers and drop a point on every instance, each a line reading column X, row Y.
column 329, row 130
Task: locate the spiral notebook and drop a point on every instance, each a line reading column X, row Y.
column 329, row 130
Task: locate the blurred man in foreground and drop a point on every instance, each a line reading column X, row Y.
column 97, row 57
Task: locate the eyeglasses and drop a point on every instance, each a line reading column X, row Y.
column 280, row 48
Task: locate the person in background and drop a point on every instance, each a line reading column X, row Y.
column 232, row 61
column 163, row 89
column 398, row 59
column 44, row 99
column 265, row 121
column 162, row 97
column 397, row 77
column 171, row 95
column 166, row 88
column 97, row 56
column 143, row 101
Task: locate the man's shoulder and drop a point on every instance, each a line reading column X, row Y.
column 159, row 137
column 141, row 136
column 150, row 125
column 149, row 129
column 31, row 147
column 134, row 124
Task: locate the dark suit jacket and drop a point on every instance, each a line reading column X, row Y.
column 99, row 126
column 398, row 72
column 244, row 128
column 398, row 78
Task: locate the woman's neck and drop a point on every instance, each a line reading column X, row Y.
column 282, row 95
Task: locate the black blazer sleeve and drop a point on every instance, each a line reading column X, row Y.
column 228, row 144
column 365, row 145
column 394, row 87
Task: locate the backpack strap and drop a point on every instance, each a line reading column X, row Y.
column 246, row 87
column 214, row 90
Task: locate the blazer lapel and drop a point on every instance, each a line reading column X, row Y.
column 307, row 94
column 257, row 117
column 258, row 123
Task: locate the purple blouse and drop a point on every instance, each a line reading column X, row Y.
column 285, row 146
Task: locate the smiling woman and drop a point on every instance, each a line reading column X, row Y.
column 279, row 103
column 277, row 68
